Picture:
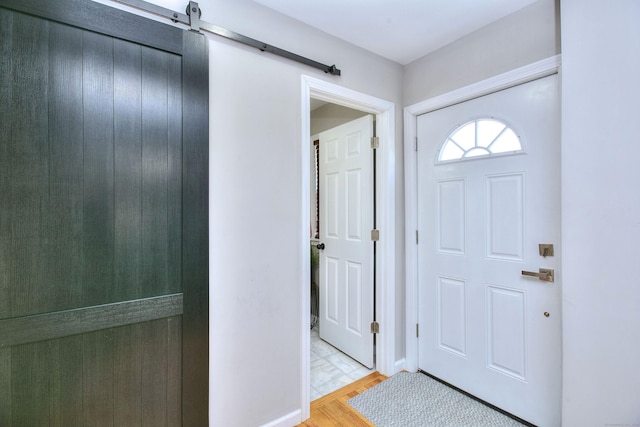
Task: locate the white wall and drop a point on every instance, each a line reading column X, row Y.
column 256, row 217
column 329, row 116
column 526, row 36
column 601, row 212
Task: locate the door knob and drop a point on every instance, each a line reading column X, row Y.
column 320, row 246
column 543, row 274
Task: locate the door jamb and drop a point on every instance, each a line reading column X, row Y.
column 385, row 208
column 506, row 80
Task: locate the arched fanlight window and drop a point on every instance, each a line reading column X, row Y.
column 481, row 137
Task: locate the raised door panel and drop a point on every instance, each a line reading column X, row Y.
column 331, row 217
column 506, row 331
column 451, row 216
column 505, row 217
column 331, row 302
column 354, row 298
column 353, row 200
column 452, row 315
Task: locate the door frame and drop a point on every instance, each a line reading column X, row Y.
column 503, row 81
column 385, row 208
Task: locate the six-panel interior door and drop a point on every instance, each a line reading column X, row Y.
column 346, row 221
column 484, row 327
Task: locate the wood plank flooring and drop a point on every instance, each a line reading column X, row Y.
column 333, row 410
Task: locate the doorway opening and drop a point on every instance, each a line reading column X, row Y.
column 342, row 252
column 384, row 114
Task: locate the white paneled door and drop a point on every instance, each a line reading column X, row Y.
column 484, row 326
column 346, row 221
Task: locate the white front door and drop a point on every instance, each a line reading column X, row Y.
column 346, row 221
column 484, row 326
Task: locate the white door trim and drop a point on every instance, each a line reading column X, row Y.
column 385, row 207
column 506, row 80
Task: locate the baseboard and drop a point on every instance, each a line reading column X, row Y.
column 289, row 420
column 400, row 365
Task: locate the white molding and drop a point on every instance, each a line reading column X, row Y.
column 305, row 302
column 385, row 255
column 506, row 80
column 291, row 419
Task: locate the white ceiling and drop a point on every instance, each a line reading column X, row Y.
column 400, row 30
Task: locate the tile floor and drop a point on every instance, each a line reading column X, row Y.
column 330, row 368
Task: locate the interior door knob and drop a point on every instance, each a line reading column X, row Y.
column 320, row 246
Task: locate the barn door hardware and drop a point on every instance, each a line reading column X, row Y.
column 194, row 13
column 192, row 19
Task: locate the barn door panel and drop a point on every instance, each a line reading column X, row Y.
column 96, row 298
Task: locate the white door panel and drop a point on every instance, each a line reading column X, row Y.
column 483, row 324
column 346, row 220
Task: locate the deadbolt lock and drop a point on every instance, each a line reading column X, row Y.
column 545, row 249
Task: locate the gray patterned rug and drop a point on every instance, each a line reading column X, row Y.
column 416, row 400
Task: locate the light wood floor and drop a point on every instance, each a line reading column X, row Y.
column 333, row 410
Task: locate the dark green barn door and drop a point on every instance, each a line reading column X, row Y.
column 103, row 218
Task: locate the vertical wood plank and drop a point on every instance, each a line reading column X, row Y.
column 6, row 80
column 30, row 385
column 97, row 375
column 98, row 168
column 5, row 388
column 154, row 374
column 128, row 169
column 154, row 171
column 29, row 124
column 21, row 359
column 6, row 86
column 174, row 222
column 195, row 273
column 174, row 372
column 29, row 163
column 5, row 275
column 128, row 375
column 66, row 381
column 64, row 258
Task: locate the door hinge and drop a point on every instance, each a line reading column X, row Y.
column 415, row 147
column 416, row 237
column 375, row 142
column 417, row 331
column 375, row 327
column 375, row 235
